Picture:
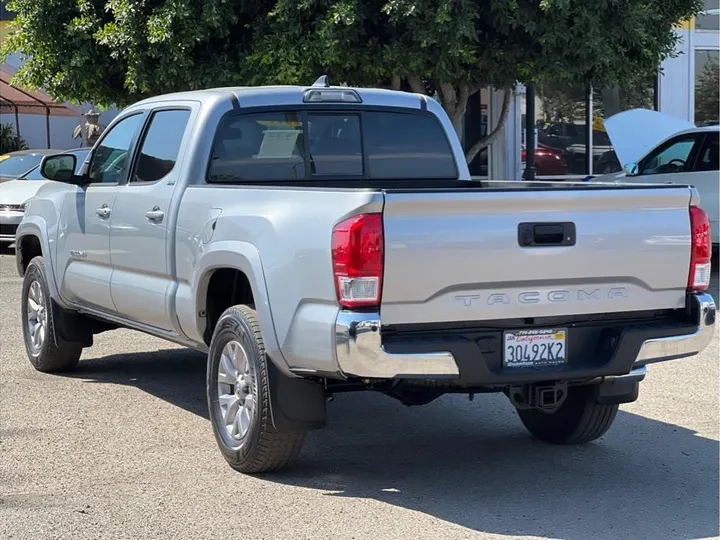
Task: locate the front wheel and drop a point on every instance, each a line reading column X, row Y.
column 46, row 349
column 239, row 397
column 580, row 419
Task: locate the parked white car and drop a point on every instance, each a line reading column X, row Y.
column 15, row 193
column 654, row 147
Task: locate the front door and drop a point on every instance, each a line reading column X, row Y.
column 139, row 248
column 83, row 248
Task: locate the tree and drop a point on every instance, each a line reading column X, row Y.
column 9, row 141
column 117, row 51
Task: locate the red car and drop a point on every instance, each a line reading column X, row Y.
column 548, row 161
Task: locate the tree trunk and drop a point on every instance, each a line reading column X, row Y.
column 455, row 105
column 495, row 133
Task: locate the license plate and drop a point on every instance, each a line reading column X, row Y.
column 535, row 348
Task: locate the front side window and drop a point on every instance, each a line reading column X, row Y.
column 110, row 161
column 161, row 145
column 672, row 157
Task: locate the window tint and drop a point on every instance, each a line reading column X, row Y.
column 708, row 160
column 275, row 146
column 262, row 146
column 110, row 160
column 403, row 145
column 335, row 144
column 160, row 146
column 670, row 158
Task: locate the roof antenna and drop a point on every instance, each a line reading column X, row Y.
column 322, row 81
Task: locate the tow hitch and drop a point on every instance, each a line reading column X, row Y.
column 546, row 397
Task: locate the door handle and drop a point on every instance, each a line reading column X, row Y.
column 103, row 211
column 155, row 214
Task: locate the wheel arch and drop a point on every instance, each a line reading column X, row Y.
column 32, row 240
column 241, row 260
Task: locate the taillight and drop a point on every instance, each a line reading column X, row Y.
column 357, row 258
column 700, row 250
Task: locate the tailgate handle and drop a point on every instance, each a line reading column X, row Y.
column 546, row 234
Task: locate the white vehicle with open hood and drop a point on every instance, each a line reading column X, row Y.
column 657, row 148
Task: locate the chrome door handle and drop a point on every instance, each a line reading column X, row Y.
column 155, row 214
column 103, row 211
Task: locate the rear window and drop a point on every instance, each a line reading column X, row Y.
column 295, row 145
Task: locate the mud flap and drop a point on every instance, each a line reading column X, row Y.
column 295, row 404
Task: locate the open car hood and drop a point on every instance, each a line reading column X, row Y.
column 635, row 132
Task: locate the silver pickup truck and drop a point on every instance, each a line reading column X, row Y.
column 316, row 240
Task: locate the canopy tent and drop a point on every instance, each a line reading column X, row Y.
column 14, row 99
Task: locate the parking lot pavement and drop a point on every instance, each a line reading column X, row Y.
column 122, row 448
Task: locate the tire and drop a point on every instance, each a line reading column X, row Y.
column 46, row 349
column 251, row 444
column 580, row 419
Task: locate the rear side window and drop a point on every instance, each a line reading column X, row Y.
column 161, row 144
column 296, row 145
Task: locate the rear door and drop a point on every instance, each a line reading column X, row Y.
column 490, row 254
column 141, row 217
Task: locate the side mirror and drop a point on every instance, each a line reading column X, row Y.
column 631, row 169
column 58, row 167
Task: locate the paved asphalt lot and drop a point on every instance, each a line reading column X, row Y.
column 123, row 449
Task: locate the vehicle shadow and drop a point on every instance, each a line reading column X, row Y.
column 473, row 464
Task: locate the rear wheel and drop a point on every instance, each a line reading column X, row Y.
column 580, row 419
column 46, row 349
column 239, row 397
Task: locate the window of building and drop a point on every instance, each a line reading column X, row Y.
column 161, row 145
column 707, row 79
column 561, row 130
column 606, row 103
column 709, row 17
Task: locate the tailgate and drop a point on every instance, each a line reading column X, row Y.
column 456, row 255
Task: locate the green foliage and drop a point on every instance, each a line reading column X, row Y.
column 9, row 141
column 117, row 51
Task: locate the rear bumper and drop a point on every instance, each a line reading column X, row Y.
column 606, row 351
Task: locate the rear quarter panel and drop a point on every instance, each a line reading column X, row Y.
column 283, row 236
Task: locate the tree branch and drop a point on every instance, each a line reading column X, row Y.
column 495, row 133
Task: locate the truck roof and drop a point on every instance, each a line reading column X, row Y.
column 258, row 96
